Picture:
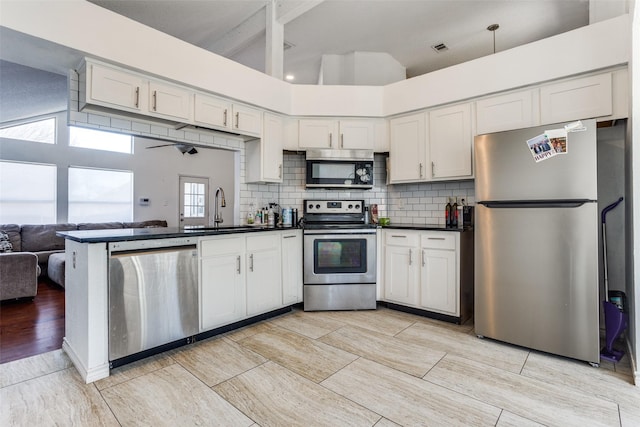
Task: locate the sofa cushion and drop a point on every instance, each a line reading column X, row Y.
column 13, row 231
column 42, row 237
column 5, row 243
column 55, row 268
column 146, row 224
column 99, row 225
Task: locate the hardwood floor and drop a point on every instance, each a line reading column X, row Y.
column 30, row 327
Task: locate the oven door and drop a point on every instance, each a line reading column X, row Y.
column 339, row 256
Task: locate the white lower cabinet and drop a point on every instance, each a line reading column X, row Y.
column 241, row 275
column 264, row 276
column 222, row 281
column 422, row 270
column 438, row 272
column 291, row 267
column 401, row 273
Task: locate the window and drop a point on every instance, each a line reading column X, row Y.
column 97, row 195
column 38, row 131
column 27, row 193
column 100, row 140
column 194, row 199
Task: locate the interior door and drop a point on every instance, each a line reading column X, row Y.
column 194, row 201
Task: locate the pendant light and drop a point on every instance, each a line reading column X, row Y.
column 493, row 28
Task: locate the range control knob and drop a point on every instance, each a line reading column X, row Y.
column 357, row 206
column 317, row 206
column 350, row 206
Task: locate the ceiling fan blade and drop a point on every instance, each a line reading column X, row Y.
column 158, row 146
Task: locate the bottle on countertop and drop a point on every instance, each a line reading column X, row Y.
column 454, row 213
column 271, row 219
column 366, row 215
column 294, row 217
column 447, row 213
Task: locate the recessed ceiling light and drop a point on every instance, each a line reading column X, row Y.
column 290, row 77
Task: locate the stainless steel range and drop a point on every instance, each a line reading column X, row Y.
column 339, row 256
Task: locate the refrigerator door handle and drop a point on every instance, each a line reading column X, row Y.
column 504, row 204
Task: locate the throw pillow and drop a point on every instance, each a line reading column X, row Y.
column 5, row 244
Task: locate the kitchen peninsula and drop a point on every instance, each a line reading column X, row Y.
column 237, row 275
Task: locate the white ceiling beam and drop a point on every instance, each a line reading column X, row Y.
column 241, row 36
column 274, row 49
column 288, row 11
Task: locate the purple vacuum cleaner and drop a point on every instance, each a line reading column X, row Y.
column 615, row 319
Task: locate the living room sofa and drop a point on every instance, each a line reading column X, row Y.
column 37, row 251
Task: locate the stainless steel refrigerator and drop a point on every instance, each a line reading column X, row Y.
column 536, row 242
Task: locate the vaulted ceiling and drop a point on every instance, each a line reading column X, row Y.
column 405, row 29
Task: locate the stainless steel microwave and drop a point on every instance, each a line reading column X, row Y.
column 339, row 169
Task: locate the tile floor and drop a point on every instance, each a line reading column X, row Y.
column 359, row 368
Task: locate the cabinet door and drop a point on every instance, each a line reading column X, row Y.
column 438, row 284
column 357, row 134
column 318, row 134
column 247, row 120
column 291, row 267
column 169, row 101
column 450, row 141
column 264, row 275
column 116, row 89
column 212, row 111
column 576, row 99
column 400, row 274
column 407, row 149
column 272, row 140
column 506, row 112
column 222, row 291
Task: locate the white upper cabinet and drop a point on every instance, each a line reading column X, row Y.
column 337, row 134
column 407, row 148
column 264, row 158
column 506, row 112
column 212, row 111
column 575, row 99
column 450, row 142
column 112, row 88
column 356, row 134
column 246, row 120
column 169, row 101
column 318, row 133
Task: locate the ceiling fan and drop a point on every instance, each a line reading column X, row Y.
column 183, row 148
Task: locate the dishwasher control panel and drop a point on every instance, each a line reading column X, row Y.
column 136, row 245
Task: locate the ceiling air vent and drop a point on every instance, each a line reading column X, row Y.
column 440, row 47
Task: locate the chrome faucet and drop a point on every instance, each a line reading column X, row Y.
column 217, row 216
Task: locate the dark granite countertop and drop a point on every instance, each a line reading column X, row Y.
column 125, row 234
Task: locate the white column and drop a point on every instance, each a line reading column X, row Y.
column 274, row 50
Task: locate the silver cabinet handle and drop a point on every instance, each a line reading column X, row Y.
column 155, row 100
column 251, row 262
column 433, row 169
column 280, row 172
column 423, row 257
column 420, row 170
column 396, row 235
column 237, row 120
column 330, row 140
column 410, row 256
column 289, row 237
column 435, row 238
column 238, row 264
column 137, row 103
column 342, row 140
column 224, row 118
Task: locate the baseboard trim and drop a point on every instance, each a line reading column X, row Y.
column 88, row 375
column 634, row 367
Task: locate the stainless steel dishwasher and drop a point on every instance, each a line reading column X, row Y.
column 153, row 294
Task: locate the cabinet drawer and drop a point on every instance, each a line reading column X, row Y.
column 401, row 238
column 442, row 240
column 221, row 245
column 263, row 241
